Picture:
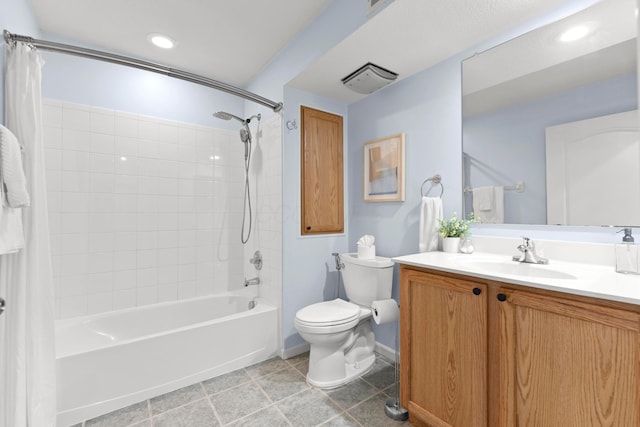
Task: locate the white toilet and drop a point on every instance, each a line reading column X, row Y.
column 339, row 332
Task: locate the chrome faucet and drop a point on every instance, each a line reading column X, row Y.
column 529, row 256
column 254, row 281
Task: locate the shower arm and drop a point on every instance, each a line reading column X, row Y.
column 10, row 38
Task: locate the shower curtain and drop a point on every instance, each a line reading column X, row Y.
column 27, row 350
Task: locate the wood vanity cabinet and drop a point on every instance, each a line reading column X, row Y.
column 443, row 341
column 476, row 352
column 564, row 362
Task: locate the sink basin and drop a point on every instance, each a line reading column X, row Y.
column 515, row 269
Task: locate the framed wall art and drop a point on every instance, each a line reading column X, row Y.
column 383, row 169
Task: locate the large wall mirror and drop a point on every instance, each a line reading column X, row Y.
column 550, row 123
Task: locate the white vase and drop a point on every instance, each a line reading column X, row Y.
column 451, row 244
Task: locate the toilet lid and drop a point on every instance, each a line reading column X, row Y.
column 328, row 313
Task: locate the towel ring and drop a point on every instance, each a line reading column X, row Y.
column 435, row 179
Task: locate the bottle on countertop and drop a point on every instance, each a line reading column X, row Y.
column 627, row 261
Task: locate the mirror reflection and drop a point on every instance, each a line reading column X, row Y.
column 550, row 124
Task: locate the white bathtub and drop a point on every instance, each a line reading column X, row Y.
column 111, row 360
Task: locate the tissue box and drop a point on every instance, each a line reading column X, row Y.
column 366, row 252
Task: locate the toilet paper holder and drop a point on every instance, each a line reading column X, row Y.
column 375, row 310
column 385, row 311
column 392, row 407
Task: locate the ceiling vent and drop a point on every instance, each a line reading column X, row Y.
column 369, row 78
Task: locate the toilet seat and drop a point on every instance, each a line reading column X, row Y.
column 328, row 313
column 329, row 316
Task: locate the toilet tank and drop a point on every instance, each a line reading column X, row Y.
column 366, row 280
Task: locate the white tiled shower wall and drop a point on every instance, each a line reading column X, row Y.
column 143, row 210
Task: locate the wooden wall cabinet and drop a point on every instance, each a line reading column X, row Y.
column 322, row 181
column 476, row 352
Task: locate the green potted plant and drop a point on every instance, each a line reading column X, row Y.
column 452, row 230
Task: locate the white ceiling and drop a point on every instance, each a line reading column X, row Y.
column 232, row 41
column 411, row 35
column 225, row 40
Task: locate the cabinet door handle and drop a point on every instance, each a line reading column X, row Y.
column 477, row 291
column 502, row 297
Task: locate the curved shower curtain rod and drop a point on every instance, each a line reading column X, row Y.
column 142, row 65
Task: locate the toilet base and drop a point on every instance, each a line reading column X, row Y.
column 352, row 371
column 331, row 366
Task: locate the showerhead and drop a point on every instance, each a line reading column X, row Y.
column 227, row 116
column 245, row 133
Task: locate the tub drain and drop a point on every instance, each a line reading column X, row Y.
column 252, row 304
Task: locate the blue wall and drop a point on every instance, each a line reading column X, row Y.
column 101, row 84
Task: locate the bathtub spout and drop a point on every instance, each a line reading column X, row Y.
column 254, row 281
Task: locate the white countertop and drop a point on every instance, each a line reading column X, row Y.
column 592, row 280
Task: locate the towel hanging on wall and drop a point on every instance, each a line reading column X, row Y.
column 430, row 211
column 488, row 204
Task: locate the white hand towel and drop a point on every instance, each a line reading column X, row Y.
column 483, row 199
column 11, row 171
column 495, row 213
column 430, row 211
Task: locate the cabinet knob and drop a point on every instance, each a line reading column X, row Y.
column 477, row 291
column 502, row 297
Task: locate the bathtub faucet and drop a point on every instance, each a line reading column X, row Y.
column 254, row 281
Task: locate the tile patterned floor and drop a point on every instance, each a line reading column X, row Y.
column 273, row 393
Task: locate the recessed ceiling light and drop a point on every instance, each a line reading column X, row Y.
column 577, row 32
column 160, row 40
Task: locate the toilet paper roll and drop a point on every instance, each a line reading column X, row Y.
column 385, row 311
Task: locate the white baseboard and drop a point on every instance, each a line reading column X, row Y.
column 287, row 353
column 386, row 351
column 290, row 352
